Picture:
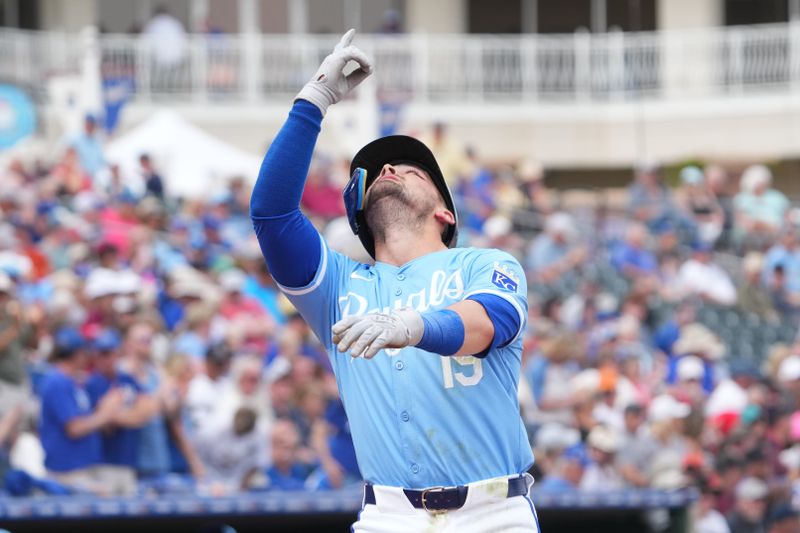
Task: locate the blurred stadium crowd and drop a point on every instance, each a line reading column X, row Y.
column 144, row 348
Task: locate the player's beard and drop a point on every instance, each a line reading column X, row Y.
column 391, row 209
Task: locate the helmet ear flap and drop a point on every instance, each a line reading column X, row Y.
column 353, row 195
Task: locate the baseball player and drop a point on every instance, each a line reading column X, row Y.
column 425, row 343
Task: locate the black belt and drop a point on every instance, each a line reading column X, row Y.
column 436, row 499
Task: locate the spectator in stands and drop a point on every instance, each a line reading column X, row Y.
column 665, row 416
column 707, row 519
column 786, row 254
column 531, row 175
column 68, row 177
column 193, row 335
column 700, row 205
column 166, row 37
column 555, row 251
column 669, row 332
column 635, row 436
column 719, row 185
column 321, row 196
column 10, row 427
column 285, row 472
column 450, row 154
column 779, row 292
column 234, row 453
column 602, row 475
column 549, row 375
column 697, row 340
column 549, row 443
column 333, row 444
column 88, row 147
column 178, row 372
column 153, row 459
column 783, row 518
column 751, row 296
column 750, row 508
column 247, row 388
column 632, row 259
column 244, row 317
column 760, row 209
column 261, row 286
column 649, row 200
column 69, row 427
column 702, row 277
column 475, row 194
column 14, row 333
column 568, row 471
column 153, row 182
column 208, row 385
column 120, row 439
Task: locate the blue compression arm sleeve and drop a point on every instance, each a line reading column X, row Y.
column 443, row 332
column 503, row 316
column 288, row 240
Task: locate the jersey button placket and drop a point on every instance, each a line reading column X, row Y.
column 399, row 365
column 404, row 416
column 414, row 468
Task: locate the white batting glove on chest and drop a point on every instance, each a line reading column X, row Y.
column 329, row 85
column 366, row 335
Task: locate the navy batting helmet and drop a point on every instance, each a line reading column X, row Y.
column 366, row 166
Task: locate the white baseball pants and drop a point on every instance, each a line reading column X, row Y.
column 486, row 509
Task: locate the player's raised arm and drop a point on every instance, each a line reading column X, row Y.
column 283, row 232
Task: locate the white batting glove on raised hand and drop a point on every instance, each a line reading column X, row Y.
column 366, row 335
column 329, row 85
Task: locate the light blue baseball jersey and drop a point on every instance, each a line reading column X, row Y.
column 419, row 419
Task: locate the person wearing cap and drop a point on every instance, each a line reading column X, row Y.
column 414, row 338
column 602, row 474
column 568, row 470
column 665, row 436
column 121, row 437
column 69, row 426
column 208, row 385
column 750, row 507
column 698, row 341
column 783, row 518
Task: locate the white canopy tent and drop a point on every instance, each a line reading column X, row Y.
column 192, row 163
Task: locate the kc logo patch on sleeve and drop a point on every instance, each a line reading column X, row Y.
column 504, row 277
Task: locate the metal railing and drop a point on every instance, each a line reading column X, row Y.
column 580, row 67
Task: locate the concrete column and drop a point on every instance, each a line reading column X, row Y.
column 442, row 16
column 681, row 14
column 248, row 16
column 11, row 13
column 198, row 15
column 251, row 60
column 298, row 16
column 530, row 16
column 67, row 16
column 352, row 15
column 599, row 16
column 689, row 57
